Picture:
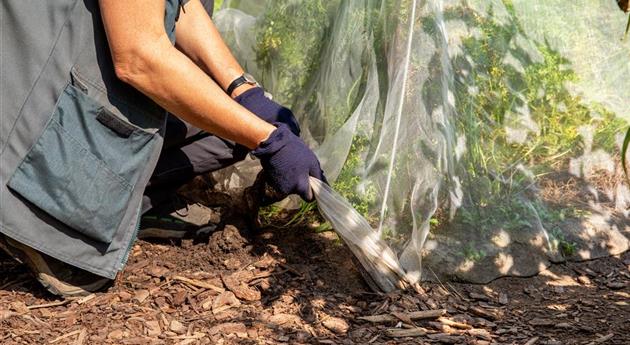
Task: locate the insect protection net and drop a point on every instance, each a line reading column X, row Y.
column 478, row 138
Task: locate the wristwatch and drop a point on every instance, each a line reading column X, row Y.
column 246, row 78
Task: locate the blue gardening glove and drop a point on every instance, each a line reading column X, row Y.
column 288, row 162
column 255, row 101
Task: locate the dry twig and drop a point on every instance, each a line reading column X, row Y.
column 415, row 315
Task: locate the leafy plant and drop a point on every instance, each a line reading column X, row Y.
column 559, row 242
column 471, row 253
column 493, row 98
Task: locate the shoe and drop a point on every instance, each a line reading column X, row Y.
column 56, row 276
column 186, row 221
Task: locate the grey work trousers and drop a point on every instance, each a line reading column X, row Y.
column 187, row 152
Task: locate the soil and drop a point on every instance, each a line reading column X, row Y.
column 295, row 286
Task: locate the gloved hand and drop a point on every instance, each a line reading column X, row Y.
column 288, row 162
column 255, row 101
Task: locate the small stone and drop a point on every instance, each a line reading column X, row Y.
column 563, row 325
column 177, row 327
column 141, row 295
column 336, row 325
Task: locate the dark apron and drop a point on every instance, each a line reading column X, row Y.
column 77, row 146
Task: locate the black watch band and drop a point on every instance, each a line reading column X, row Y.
column 244, row 79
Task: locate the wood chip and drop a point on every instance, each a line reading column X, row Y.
column 116, row 334
column 454, row 324
column 180, row 297
column 480, row 333
column 584, row 280
column 86, row 299
column 229, row 328
column 541, row 322
column 82, row 337
column 224, row 301
column 532, row 341
column 282, row 319
column 563, row 325
column 19, row 307
column 197, row 335
column 483, row 313
column 152, row 328
column 401, row 332
column 78, row 331
column 177, row 327
column 416, row 315
column 237, row 283
column 446, row 338
column 616, row 285
column 602, row 339
column 48, row 305
column 503, row 298
column 336, row 325
column 479, row 297
column 199, row 284
column 141, row 295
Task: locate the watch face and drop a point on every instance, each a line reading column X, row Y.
column 249, row 78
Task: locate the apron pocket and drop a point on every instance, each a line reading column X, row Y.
column 70, row 173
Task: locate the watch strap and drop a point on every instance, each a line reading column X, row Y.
column 236, row 83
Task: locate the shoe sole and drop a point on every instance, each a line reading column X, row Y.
column 42, row 272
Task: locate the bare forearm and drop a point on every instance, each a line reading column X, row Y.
column 200, row 40
column 173, row 81
column 178, row 85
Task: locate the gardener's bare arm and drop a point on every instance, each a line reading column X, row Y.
column 199, row 39
column 144, row 58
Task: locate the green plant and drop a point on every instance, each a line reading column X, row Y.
column 349, row 182
column 493, row 98
column 560, row 243
column 469, row 252
column 217, row 5
column 289, row 40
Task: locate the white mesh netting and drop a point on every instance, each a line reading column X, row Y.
column 480, row 138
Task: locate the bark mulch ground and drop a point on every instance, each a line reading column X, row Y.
column 295, row 286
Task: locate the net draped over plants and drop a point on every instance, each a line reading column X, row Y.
column 480, row 138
